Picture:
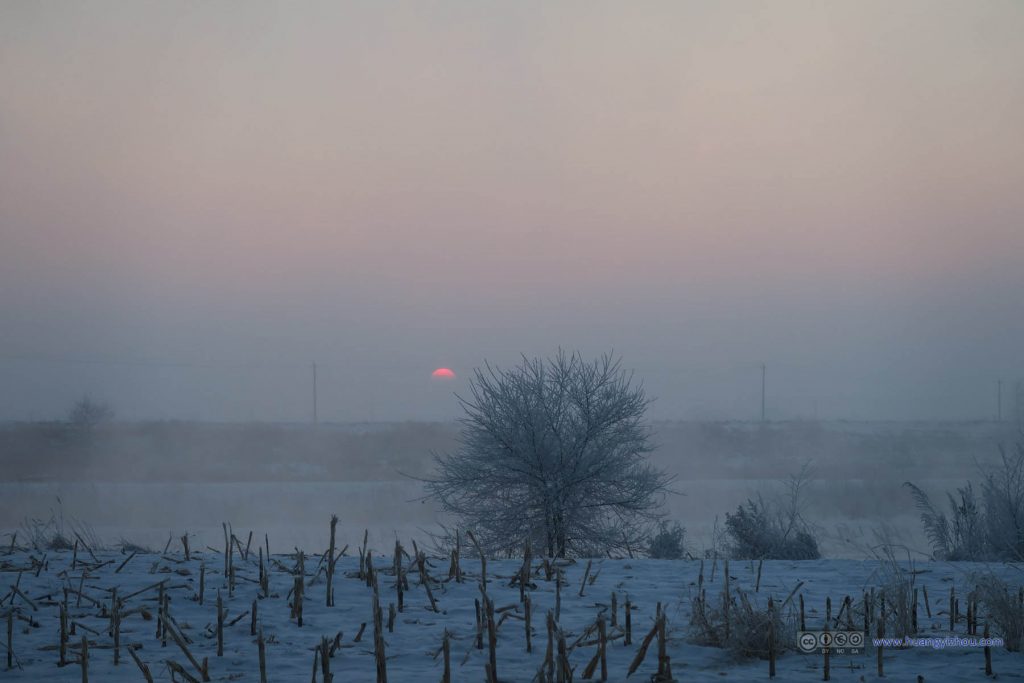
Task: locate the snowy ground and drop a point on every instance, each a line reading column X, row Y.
column 417, row 635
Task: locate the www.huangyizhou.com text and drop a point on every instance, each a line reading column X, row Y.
column 937, row 643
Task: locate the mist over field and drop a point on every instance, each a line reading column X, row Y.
column 143, row 482
column 642, row 288
column 254, row 232
column 197, row 202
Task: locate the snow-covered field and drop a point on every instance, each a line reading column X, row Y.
column 412, row 648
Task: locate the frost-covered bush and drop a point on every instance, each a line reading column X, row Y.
column 746, row 631
column 1003, row 607
column 979, row 527
column 774, row 529
column 755, row 532
column 1002, row 496
column 897, row 589
column 669, row 543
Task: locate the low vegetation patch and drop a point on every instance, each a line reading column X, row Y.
column 983, row 524
column 668, row 542
column 773, row 529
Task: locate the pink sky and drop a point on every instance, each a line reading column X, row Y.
column 834, row 189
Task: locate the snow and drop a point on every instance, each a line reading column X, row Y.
column 418, row 631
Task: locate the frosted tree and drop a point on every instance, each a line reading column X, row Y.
column 88, row 413
column 553, row 451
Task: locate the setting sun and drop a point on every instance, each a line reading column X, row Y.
column 443, row 373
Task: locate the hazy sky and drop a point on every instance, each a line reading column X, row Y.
column 197, row 200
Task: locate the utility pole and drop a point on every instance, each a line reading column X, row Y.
column 1018, row 404
column 762, row 391
column 999, row 400
column 315, row 416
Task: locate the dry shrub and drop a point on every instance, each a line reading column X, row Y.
column 57, row 532
column 44, row 534
column 776, row 529
column 1004, row 608
column 979, row 527
column 668, row 543
column 748, row 625
column 897, row 587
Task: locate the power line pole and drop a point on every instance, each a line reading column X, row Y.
column 762, row 391
column 999, row 400
column 315, row 416
column 1018, row 404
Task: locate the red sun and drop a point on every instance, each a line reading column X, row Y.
column 442, row 373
